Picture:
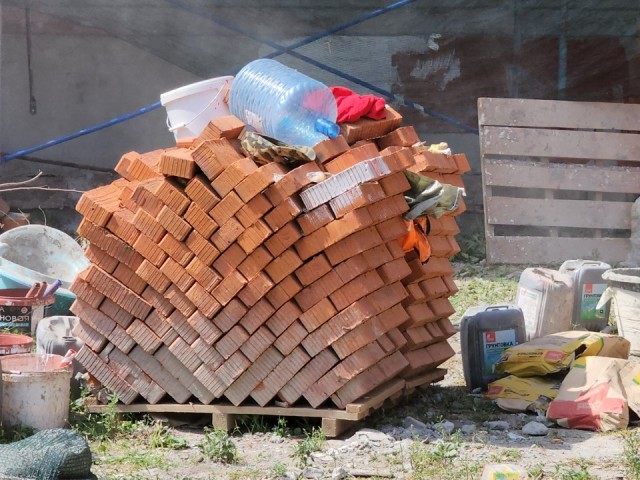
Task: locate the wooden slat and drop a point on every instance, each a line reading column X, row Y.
column 533, row 142
column 558, row 114
column 545, row 250
column 558, row 213
column 556, row 176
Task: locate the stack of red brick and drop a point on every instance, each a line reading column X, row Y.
column 215, row 277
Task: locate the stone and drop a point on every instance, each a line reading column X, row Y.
column 372, row 435
column 468, row 429
column 339, row 473
column 497, row 425
column 535, row 429
column 409, row 422
column 312, row 472
column 445, row 427
column 276, row 439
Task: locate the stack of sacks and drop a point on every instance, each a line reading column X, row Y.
column 215, row 277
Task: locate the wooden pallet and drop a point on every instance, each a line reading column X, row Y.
column 559, row 179
column 334, row 421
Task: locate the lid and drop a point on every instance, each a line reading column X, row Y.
column 198, row 87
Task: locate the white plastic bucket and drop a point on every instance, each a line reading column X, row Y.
column 191, row 107
column 35, row 391
column 624, row 289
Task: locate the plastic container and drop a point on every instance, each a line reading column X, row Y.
column 486, row 332
column 504, row 471
column 546, row 299
column 20, row 313
column 12, row 343
column 35, row 391
column 283, row 103
column 54, row 335
column 588, row 287
column 623, row 286
column 37, row 253
column 191, row 107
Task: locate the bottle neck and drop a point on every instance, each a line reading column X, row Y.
column 327, row 127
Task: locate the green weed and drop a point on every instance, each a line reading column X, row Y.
column 565, row 473
column 536, row 472
column 631, row 454
column 312, row 442
column 218, row 446
column 161, row 437
column 100, row 426
column 281, row 429
column 278, row 470
column 14, row 434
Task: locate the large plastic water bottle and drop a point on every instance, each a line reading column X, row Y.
column 283, row 103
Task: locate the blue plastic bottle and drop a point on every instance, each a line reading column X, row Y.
column 283, row 103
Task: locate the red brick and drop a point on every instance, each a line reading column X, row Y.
column 145, row 166
column 121, row 225
column 203, row 300
column 226, row 208
column 144, row 337
column 290, row 338
column 144, row 196
column 177, row 163
column 257, row 207
column 352, row 222
column 283, row 213
column 86, row 292
column 122, row 167
column 366, row 128
column 91, row 338
column 169, row 192
column 204, row 275
column 398, row 158
column 283, row 239
column 352, row 267
column 462, row 163
column 257, row 315
column 254, row 236
column 116, row 313
column 117, row 292
column 229, row 260
column 213, row 156
column 283, row 265
column 153, row 276
column 257, row 343
column 101, row 258
column 109, row 243
column 356, row 197
column 283, row 317
column 388, row 208
column 434, row 288
column 173, row 223
column 392, row 229
column 351, row 157
column 230, row 315
column 317, row 315
column 352, row 245
column 419, row 314
column 202, row 248
column 283, row 291
column 314, row 243
column 186, row 358
column 318, row 290
column 277, row 379
column 99, row 204
column 395, row 270
column 200, row 220
column 128, row 277
column 229, row 287
column 177, row 274
column 106, row 375
column 394, row 184
column 232, row 368
column 176, row 250
column 180, row 324
column 127, row 192
column 150, row 250
column 93, row 317
column 179, row 300
column 395, row 249
column 309, row 374
column 402, row 136
column 227, row 234
column 255, row 289
column 387, row 297
column 149, row 225
column 291, row 183
column 233, row 175
column 356, row 289
column 330, row 148
column 232, row 341
column 205, row 328
column 257, row 181
column 228, row 126
column 255, row 263
column 253, row 376
column 160, row 304
column 442, row 308
column 207, row 354
column 313, row 269
column 200, row 192
column 315, row 219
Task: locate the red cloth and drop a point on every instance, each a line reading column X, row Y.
column 352, row 107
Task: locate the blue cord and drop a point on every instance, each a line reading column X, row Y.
column 279, row 51
column 79, row 133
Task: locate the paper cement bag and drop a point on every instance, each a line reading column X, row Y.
column 556, row 352
column 630, row 375
column 592, row 396
column 515, row 394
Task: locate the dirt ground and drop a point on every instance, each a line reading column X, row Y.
column 374, row 449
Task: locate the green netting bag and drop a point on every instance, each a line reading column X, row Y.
column 53, row 454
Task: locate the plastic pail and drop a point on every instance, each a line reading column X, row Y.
column 191, row 107
column 35, row 391
column 22, row 313
column 37, row 253
column 12, row 343
column 624, row 288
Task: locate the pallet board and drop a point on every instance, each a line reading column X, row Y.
column 334, row 421
column 559, row 179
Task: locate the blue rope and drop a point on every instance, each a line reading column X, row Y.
column 80, row 133
column 279, row 51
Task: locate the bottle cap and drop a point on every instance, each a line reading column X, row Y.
column 327, row 127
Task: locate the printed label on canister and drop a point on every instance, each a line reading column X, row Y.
column 591, row 293
column 529, row 303
column 493, row 344
column 15, row 317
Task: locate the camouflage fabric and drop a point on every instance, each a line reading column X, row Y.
column 266, row 149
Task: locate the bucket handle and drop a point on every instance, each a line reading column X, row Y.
column 176, row 127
